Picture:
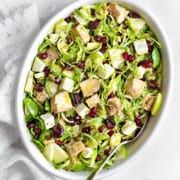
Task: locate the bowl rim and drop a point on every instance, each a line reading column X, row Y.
column 34, row 43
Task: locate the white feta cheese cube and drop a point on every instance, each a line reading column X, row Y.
column 105, row 71
column 141, row 46
column 93, row 101
column 38, row 65
column 129, row 128
column 82, row 110
column 61, row 102
column 116, row 57
column 39, row 75
column 67, row 84
column 48, row 120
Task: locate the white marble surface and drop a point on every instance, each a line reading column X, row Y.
column 161, row 158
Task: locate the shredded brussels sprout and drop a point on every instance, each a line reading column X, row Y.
column 95, row 79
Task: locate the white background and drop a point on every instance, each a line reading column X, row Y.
column 161, row 158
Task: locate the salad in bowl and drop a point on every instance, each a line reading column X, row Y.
column 94, row 81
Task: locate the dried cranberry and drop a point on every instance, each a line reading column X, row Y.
column 39, row 87
column 68, row 19
column 58, row 142
column 134, row 14
column 128, row 57
column 37, row 131
column 57, row 80
column 150, row 45
column 125, row 55
column 111, row 132
column 80, row 64
column 31, row 125
column 69, row 40
column 77, row 99
column 153, row 84
column 43, row 55
column 104, row 39
column 146, row 63
column 77, row 120
column 110, row 123
column 98, row 38
column 69, row 68
column 98, row 158
column 93, row 12
column 103, row 48
column 138, row 121
column 101, row 128
column 112, row 95
column 107, row 152
column 86, row 129
column 58, row 131
column 93, row 24
column 131, row 58
column 101, row 39
column 93, row 112
column 46, row 71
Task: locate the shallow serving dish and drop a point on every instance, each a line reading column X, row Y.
column 135, row 149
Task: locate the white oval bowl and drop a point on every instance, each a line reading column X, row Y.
column 136, row 149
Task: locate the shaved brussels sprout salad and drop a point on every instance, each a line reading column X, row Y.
column 94, row 81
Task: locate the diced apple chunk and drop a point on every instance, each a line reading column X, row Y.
column 140, row 72
column 135, row 87
column 148, row 102
column 129, row 128
column 67, row 84
column 38, row 65
column 105, row 71
column 49, row 151
column 59, row 154
column 52, row 54
column 89, row 87
column 115, row 139
column 29, row 83
column 136, row 24
column 118, row 12
column 82, row 110
column 79, row 30
column 141, row 46
column 93, row 101
column 74, row 148
column 114, row 106
column 41, row 97
column 54, row 153
column 61, row 102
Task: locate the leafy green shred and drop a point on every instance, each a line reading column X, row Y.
column 94, row 84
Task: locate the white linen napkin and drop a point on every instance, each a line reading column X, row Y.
column 18, row 26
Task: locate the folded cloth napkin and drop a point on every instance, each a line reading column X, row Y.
column 18, row 26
